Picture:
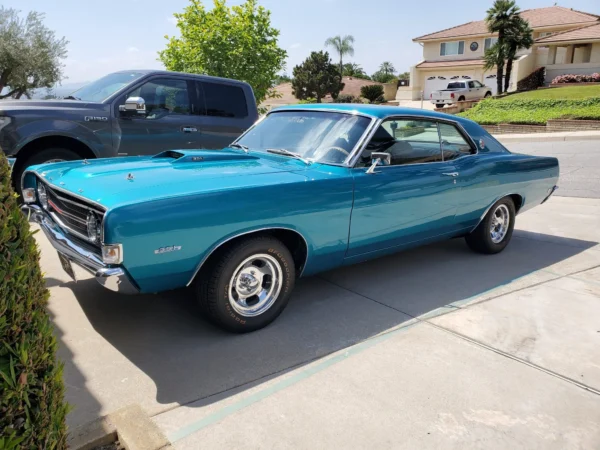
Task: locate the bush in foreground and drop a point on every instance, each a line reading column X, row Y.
column 348, row 98
column 533, row 112
column 373, row 93
column 32, row 411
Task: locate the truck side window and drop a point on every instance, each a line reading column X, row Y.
column 472, row 84
column 224, row 100
column 164, row 96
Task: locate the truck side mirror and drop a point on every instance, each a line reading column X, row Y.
column 133, row 106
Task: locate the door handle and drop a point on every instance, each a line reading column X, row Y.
column 189, row 129
column 451, row 174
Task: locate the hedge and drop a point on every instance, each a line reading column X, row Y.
column 532, row 81
column 533, row 112
column 32, row 409
column 593, row 78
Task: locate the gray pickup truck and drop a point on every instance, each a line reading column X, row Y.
column 136, row 112
column 458, row 91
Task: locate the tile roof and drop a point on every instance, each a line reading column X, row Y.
column 583, row 33
column 455, row 63
column 537, row 18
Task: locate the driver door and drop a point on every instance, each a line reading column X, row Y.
column 413, row 199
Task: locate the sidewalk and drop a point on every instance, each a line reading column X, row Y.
column 550, row 137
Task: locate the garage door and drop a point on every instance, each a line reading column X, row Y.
column 439, row 82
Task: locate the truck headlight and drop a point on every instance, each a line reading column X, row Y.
column 112, row 254
column 42, row 195
column 28, row 195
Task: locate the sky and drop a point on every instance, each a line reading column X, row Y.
column 109, row 35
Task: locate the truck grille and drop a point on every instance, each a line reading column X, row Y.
column 70, row 212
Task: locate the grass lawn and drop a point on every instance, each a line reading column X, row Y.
column 570, row 92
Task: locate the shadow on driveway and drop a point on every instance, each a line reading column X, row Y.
column 189, row 359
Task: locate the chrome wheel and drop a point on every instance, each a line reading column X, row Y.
column 255, row 285
column 500, row 223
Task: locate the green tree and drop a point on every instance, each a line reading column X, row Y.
column 382, row 77
column 233, row 42
column 355, row 70
column 30, row 53
column 281, row 78
column 316, row 77
column 387, row 68
column 32, row 411
column 343, row 46
column 500, row 18
column 520, row 35
column 404, row 76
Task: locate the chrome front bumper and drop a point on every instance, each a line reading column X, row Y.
column 113, row 278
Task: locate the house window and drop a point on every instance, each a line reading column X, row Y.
column 545, row 33
column 489, row 43
column 452, row 48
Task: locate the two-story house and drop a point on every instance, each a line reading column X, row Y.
column 566, row 42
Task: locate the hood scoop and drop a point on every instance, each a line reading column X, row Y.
column 185, row 156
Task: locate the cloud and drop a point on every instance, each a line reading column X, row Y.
column 133, row 49
column 296, row 45
column 172, row 20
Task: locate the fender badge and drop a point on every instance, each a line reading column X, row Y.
column 481, row 144
column 171, row 248
column 130, row 177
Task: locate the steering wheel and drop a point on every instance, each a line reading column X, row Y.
column 338, row 149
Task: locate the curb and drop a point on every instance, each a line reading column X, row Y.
column 130, row 426
column 537, row 138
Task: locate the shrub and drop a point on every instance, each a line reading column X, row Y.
column 373, row 93
column 32, row 412
column 532, row 81
column 348, row 98
column 535, row 112
column 307, row 100
column 593, row 78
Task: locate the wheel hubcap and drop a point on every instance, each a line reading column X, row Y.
column 500, row 223
column 255, row 285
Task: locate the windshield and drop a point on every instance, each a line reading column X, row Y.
column 103, row 88
column 321, row 136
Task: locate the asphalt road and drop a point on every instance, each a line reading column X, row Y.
column 579, row 164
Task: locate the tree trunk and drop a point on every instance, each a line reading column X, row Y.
column 509, row 63
column 19, row 95
column 500, row 62
column 341, row 68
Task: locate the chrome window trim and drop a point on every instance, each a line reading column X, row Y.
column 459, row 127
column 221, row 243
column 360, row 141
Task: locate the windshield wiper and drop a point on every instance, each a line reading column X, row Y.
column 286, row 152
column 70, row 97
column 242, row 146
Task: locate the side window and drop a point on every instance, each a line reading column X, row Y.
column 163, row 97
column 471, row 84
column 454, row 144
column 478, row 84
column 407, row 141
column 224, row 100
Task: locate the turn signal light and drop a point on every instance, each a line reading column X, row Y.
column 112, row 254
column 29, row 195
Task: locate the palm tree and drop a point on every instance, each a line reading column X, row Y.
column 387, row 68
column 517, row 37
column 501, row 17
column 342, row 45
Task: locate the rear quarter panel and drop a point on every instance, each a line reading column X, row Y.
column 316, row 203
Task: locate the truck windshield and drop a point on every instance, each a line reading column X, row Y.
column 103, row 88
column 322, row 136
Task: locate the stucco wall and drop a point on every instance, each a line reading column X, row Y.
column 567, row 69
column 431, row 50
column 595, row 54
column 523, row 67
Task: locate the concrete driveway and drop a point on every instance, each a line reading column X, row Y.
column 436, row 347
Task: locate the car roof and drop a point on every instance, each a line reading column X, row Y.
column 377, row 111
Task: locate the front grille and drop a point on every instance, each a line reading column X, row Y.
column 70, row 211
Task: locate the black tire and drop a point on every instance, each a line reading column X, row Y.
column 461, row 98
column 488, row 94
column 40, row 157
column 213, row 286
column 480, row 240
column 439, row 105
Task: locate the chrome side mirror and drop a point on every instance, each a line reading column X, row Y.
column 133, row 106
column 379, row 158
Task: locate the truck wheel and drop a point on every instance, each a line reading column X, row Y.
column 461, row 98
column 488, row 94
column 47, row 155
column 495, row 230
column 248, row 285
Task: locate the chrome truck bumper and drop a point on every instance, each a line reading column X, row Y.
column 113, row 278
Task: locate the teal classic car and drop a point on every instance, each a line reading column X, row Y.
column 306, row 189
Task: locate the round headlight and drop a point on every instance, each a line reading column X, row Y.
column 42, row 195
column 93, row 227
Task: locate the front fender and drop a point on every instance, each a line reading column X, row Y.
column 89, row 135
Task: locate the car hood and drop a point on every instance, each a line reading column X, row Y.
column 116, row 181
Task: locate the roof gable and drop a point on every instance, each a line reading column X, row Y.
column 537, row 18
column 589, row 32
